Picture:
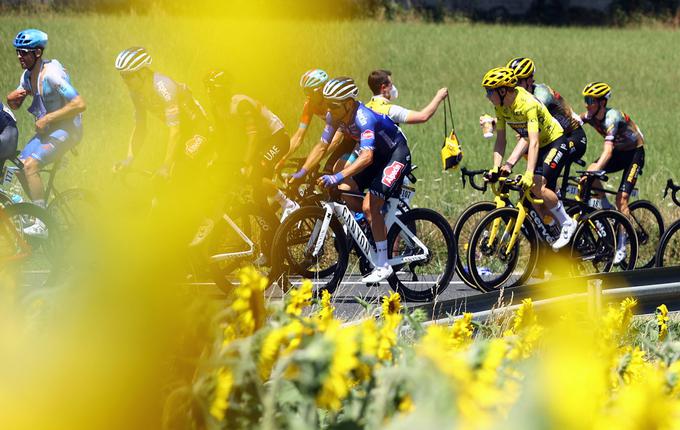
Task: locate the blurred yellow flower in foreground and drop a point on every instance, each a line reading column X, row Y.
column 299, row 298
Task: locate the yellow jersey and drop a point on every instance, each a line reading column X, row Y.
column 527, row 114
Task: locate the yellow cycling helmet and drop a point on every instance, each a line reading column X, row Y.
column 499, row 77
column 522, row 66
column 597, row 90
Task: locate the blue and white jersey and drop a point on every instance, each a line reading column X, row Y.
column 54, row 91
column 6, row 117
column 373, row 131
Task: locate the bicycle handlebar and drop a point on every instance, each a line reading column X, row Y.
column 670, row 186
column 471, row 174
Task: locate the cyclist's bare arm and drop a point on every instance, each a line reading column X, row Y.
column 16, row 98
column 316, row 155
column 499, row 147
column 517, row 153
column 364, row 160
column 174, row 136
column 138, row 136
column 69, row 110
column 417, row 117
column 606, row 155
column 532, row 154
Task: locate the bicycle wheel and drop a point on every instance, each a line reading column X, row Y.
column 669, row 247
column 39, row 251
column 227, row 251
column 294, row 244
column 648, row 224
column 72, row 210
column 462, row 232
column 492, row 264
column 594, row 244
column 422, row 280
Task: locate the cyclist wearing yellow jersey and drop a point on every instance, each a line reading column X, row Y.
column 558, row 107
column 623, row 148
column 385, row 92
column 312, row 83
column 531, row 120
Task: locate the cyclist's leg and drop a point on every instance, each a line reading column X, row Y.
column 552, row 165
column 8, row 143
column 629, row 179
column 381, row 188
column 40, row 151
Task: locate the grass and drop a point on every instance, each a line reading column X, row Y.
column 267, row 58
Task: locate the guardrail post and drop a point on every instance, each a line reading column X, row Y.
column 594, row 297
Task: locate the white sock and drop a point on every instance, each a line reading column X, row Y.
column 281, row 198
column 621, row 240
column 381, row 247
column 40, row 203
column 560, row 214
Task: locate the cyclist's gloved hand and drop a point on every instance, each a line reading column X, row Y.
column 527, row 180
column 299, row 174
column 331, row 180
column 505, row 170
column 492, row 175
column 123, row 164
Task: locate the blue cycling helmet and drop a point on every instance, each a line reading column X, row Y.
column 30, row 39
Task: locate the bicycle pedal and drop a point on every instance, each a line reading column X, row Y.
column 373, row 284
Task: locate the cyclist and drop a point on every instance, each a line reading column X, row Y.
column 623, row 149
column 171, row 102
column 571, row 122
column 9, row 135
column 382, row 162
column 341, row 146
column 385, row 92
column 531, row 120
column 57, row 107
column 266, row 140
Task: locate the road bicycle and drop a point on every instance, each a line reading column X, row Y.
column 668, row 253
column 315, row 242
column 506, row 244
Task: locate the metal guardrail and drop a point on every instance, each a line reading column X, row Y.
column 651, row 287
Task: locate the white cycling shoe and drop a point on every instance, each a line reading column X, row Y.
column 567, row 231
column 37, row 229
column 378, row 274
column 289, row 209
column 620, row 255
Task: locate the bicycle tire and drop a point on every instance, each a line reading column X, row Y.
column 290, row 250
column 649, row 228
column 480, row 234
column 42, row 261
column 605, row 248
column 463, row 243
column 669, row 247
column 443, row 270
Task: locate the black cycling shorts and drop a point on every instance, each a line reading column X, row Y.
column 384, row 177
column 631, row 162
column 577, row 144
column 551, row 160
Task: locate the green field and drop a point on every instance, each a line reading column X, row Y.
column 267, row 58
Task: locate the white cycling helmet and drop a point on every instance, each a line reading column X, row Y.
column 340, row 89
column 133, row 59
column 313, row 79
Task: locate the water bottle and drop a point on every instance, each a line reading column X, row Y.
column 16, row 198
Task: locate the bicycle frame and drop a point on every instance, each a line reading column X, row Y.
column 346, row 217
column 10, row 234
column 233, row 255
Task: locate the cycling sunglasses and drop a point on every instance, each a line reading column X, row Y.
column 24, row 52
column 334, row 105
column 590, row 100
column 490, row 91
